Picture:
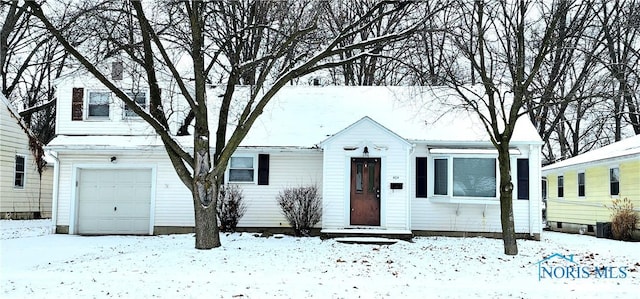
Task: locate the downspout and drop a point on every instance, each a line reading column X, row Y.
column 56, row 182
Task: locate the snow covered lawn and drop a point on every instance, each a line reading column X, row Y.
column 37, row 264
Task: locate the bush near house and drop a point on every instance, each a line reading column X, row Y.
column 623, row 219
column 302, row 207
column 231, row 207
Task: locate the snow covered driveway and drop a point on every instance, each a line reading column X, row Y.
column 36, row 264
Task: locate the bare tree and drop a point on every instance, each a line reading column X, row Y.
column 512, row 40
column 284, row 37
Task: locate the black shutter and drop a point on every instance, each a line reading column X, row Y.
column 421, row 177
column 523, row 178
column 77, row 98
column 263, row 169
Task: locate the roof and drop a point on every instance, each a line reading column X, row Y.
column 626, row 148
column 366, row 119
column 307, row 115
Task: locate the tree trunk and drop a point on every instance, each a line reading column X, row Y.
column 506, row 201
column 207, row 236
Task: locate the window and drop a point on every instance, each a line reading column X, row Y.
column 241, row 169
column 141, row 100
column 19, row 174
column 560, row 186
column 474, row 177
column 421, row 177
column 98, row 104
column 523, row 178
column 581, row 184
column 614, row 181
column 471, row 177
column 440, row 176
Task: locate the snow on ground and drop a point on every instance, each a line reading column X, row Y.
column 36, row 264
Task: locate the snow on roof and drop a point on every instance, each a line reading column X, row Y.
column 307, row 115
column 304, row 116
column 624, row 148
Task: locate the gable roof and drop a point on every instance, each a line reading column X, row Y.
column 307, row 115
column 629, row 147
column 365, row 119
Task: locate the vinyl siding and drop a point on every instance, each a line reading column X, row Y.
column 394, row 156
column 593, row 207
column 36, row 194
column 173, row 204
column 477, row 217
column 286, row 170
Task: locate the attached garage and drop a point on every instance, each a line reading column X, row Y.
column 114, row 201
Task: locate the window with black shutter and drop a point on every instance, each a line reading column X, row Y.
column 421, row 177
column 523, row 178
column 263, row 169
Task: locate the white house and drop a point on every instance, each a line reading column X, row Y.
column 24, row 192
column 385, row 161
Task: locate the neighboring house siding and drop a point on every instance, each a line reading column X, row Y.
column 594, row 206
column 34, row 196
column 381, row 144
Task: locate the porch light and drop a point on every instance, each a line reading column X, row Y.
column 365, row 152
column 113, row 159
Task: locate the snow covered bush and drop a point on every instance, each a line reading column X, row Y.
column 302, row 206
column 623, row 219
column 231, row 207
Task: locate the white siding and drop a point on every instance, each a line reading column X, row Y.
column 115, row 125
column 394, row 156
column 286, row 170
column 477, row 217
column 36, row 194
column 173, row 205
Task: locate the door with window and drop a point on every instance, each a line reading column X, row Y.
column 365, row 191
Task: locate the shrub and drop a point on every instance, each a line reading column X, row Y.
column 231, row 207
column 623, row 219
column 302, row 207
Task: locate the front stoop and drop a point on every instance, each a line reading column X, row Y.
column 405, row 235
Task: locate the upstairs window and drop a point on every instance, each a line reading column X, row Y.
column 614, row 181
column 98, row 103
column 560, row 186
column 140, row 98
column 19, row 173
column 241, row 170
column 581, row 184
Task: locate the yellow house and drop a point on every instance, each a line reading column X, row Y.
column 580, row 189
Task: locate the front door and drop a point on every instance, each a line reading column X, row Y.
column 365, row 191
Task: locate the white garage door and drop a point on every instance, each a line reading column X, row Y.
column 114, row 201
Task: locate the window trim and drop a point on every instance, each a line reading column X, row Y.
column 88, row 105
column 125, row 108
column 254, row 168
column 450, row 173
column 584, row 184
column 24, row 172
column 610, row 182
column 558, row 186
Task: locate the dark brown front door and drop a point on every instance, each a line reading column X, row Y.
column 365, row 191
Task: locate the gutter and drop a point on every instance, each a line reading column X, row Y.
column 56, row 183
